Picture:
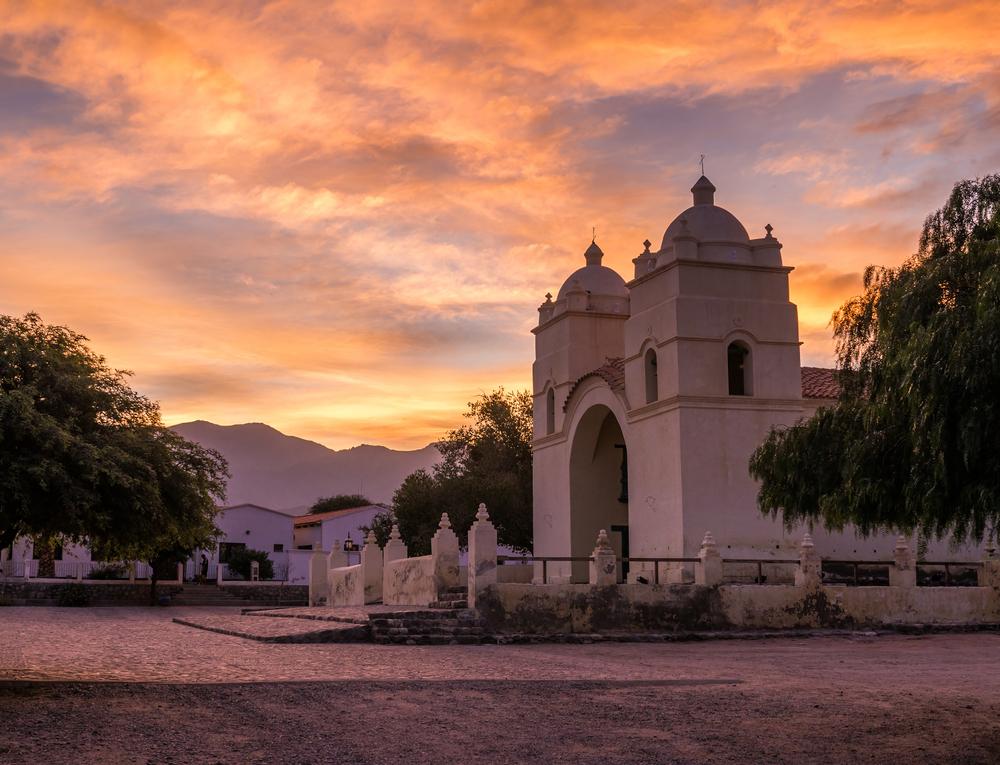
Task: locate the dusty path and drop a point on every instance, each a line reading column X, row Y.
column 896, row 699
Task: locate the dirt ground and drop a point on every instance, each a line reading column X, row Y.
column 130, row 686
column 667, row 721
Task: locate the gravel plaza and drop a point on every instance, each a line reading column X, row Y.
column 129, row 685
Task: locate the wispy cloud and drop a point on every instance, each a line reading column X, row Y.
column 339, row 217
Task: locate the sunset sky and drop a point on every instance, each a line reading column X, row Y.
column 339, row 218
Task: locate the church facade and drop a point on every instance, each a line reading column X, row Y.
column 650, row 396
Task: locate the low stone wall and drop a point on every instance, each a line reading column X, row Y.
column 41, row 593
column 267, row 592
column 582, row 608
column 409, row 581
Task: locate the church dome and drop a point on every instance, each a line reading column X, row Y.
column 596, row 279
column 706, row 221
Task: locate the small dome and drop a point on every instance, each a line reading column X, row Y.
column 595, row 278
column 599, row 281
column 708, row 223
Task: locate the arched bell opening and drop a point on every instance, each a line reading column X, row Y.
column 740, row 369
column 598, row 488
column 652, row 384
column 550, row 412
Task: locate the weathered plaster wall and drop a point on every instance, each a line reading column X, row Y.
column 675, row 607
column 409, row 581
column 347, row 586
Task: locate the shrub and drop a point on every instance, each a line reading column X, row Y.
column 74, row 595
column 6, row 602
column 109, row 571
column 240, row 559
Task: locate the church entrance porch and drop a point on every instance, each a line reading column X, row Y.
column 598, row 487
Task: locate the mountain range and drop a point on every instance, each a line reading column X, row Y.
column 289, row 474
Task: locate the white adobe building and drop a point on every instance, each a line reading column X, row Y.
column 685, row 369
column 323, row 528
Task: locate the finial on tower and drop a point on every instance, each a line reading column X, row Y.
column 702, row 163
column 704, row 192
column 593, row 255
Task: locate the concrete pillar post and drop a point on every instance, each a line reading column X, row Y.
column 444, row 554
column 708, row 569
column 482, row 554
column 337, row 557
column 317, row 577
column 395, row 548
column 371, row 569
column 808, row 572
column 218, row 572
column 79, row 571
column 603, row 567
column 903, row 571
column 989, row 573
column 180, row 572
column 131, row 572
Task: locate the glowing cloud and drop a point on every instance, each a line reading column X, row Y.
column 339, row 218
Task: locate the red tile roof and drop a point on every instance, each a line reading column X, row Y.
column 613, row 373
column 303, row 520
column 818, row 382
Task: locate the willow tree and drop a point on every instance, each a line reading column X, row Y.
column 913, row 443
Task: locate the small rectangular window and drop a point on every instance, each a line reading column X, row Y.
column 279, row 548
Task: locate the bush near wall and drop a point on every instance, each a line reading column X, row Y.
column 76, row 595
column 241, row 558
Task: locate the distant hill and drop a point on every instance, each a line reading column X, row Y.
column 287, row 473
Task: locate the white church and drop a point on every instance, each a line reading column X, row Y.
column 651, row 395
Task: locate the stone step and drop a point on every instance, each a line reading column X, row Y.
column 433, row 639
column 459, row 589
column 450, row 604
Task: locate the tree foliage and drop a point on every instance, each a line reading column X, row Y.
column 84, row 458
column 488, row 461
column 339, row 502
column 912, row 443
column 382, row 523
column 241, row 558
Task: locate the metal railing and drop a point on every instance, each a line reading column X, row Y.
column 759, row 562
column 545, row 560
column 855, row 564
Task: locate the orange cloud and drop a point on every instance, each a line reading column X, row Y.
column 340, row 217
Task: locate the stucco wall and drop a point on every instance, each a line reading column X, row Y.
column 409, row 581
column 676, row 607
column 257, row 528
column 347, row 586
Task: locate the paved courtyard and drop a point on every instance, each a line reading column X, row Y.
column 138, row 688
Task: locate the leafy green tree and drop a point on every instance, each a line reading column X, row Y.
column 912, row 443
column 382, row 523
column 84, row 458
column 487, row 461
column 240, row 559
column 339, row 502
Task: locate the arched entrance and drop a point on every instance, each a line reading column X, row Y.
column 598, row 487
